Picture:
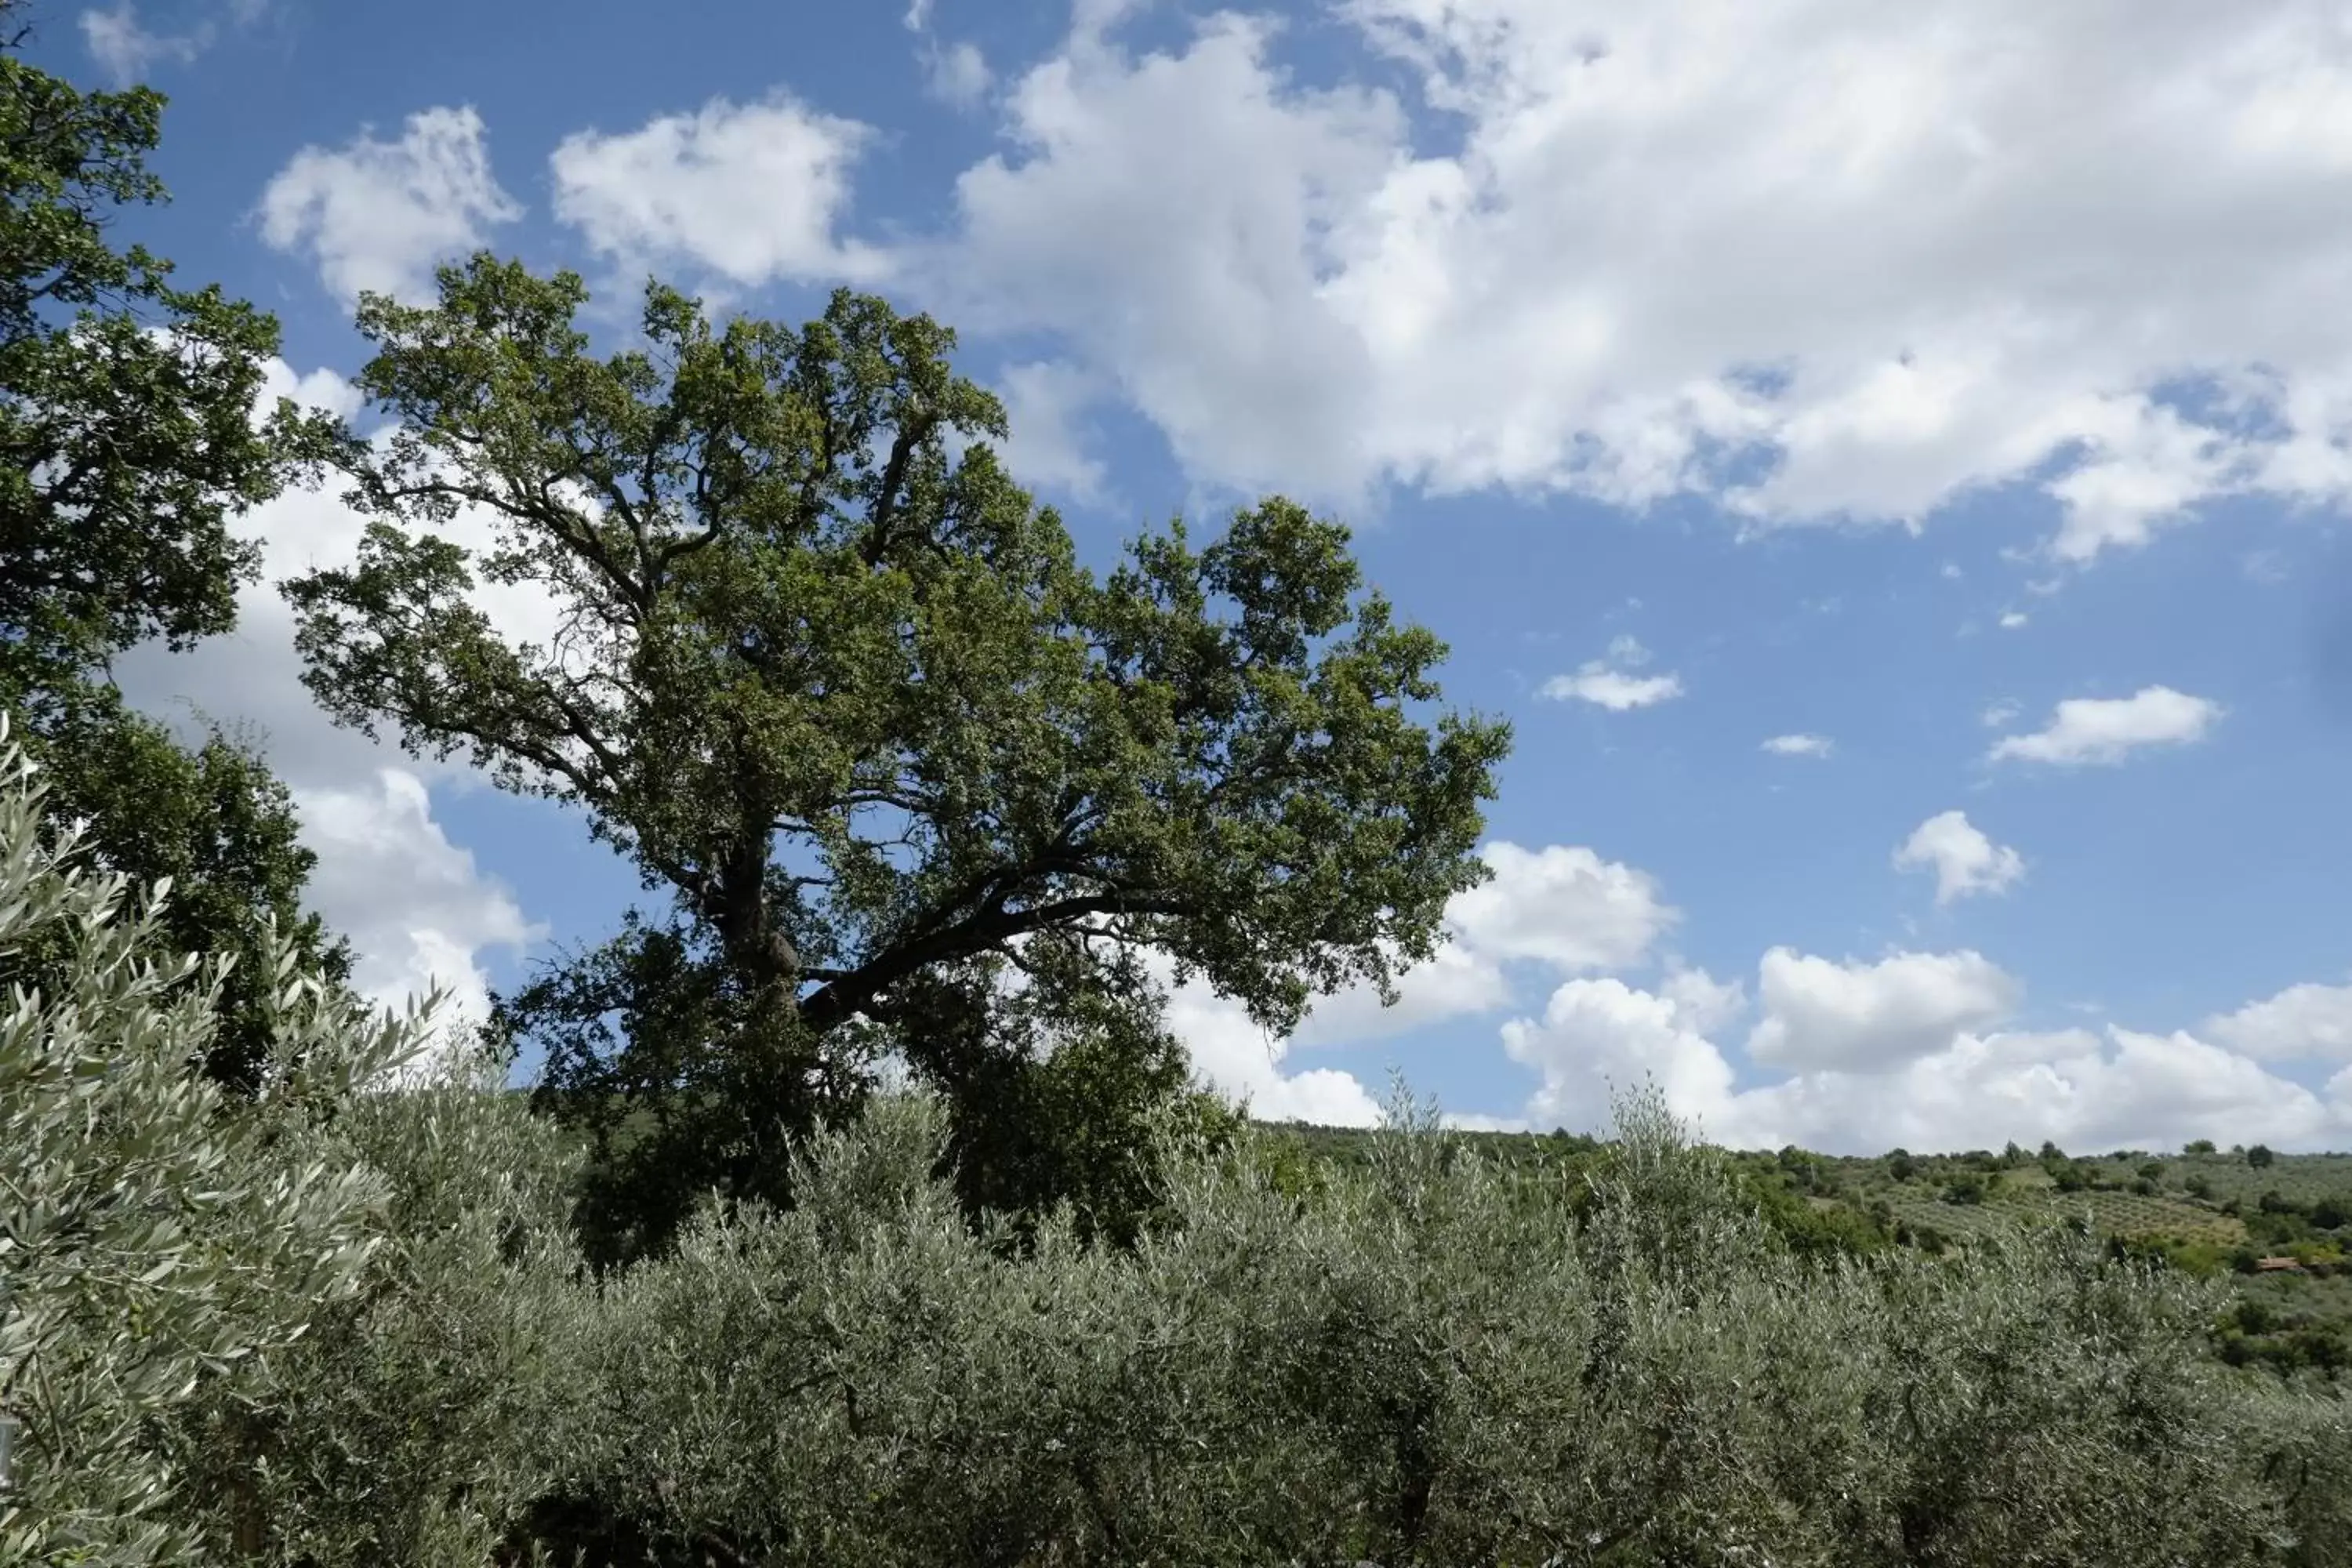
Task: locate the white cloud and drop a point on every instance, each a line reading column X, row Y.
column 2100, row 731
column 2301, row 1021
column 2084, row 1091
column 1702, row 1001
column 957, row 74
column 377, row 215
column 1238, row 1059
column 751, row 192
column 2120, row 1090
column 1605, row 683
column 416, row 910
column 1045, row 405
column 1458, row 981
column 1598, row 684
column 1867, row 1018
column 1626, row 648
column 1601, row 1038
column 126, row 50
column 1965, row 861
column 1888, row 275
column 1563, row 906
column 1800, row 745
column 2013, row 619
column 1997, row 715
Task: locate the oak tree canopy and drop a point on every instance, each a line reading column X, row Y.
column 909, row 778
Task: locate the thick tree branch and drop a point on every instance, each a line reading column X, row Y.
column 834, row 1003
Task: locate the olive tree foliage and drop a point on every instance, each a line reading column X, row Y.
column 154, row 1251
column 132, row 436
column 844, row 694
column 1423, row 1361
column 293, row 1326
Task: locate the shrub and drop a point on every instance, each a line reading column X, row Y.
column 306, row 1327
column 162, row 1252
column 1422, row 1359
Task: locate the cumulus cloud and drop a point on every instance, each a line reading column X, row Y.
column 2119, row 1090
column 1800, row 745
column 1459, row 981
column 1598, row 1038
column 1607, row 682
column 2087, row 731
column 417, row 911
column 1563, row 906
column 1234, row 1056
column 2304, row 1020
column 1965, row 861
column 127, row 51
column 1886, row 275
column 1858, row 1016
column 1044, row 408
column 751, row 192
column 957, row 74
column 377, row 215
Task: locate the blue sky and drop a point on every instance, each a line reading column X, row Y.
column 1956, row 393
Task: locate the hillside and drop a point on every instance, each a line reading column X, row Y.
column 2278, row 1226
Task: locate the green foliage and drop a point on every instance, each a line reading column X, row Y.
column 842, row 692
column 1966, row 1188
column 214, row 822
column 340, row 1324
column 1416, row 1357
column 158, row 1251
column 127, row 436
column 128, row 443
column 2260, row 1157
column 309, row 1324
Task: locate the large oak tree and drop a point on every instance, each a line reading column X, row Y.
column 911, row 779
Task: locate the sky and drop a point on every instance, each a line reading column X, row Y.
column 1887, row 462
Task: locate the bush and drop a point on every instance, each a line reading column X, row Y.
column 341, row 1326
column 1424, row 1360
column 163, row 1251
column 297, row 1328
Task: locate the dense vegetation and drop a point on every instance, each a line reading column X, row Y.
column 341, row 1325
column 2276, row 1228
column 284, row 1283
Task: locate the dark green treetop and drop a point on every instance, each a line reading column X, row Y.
column 127, row 435
column 909, row 774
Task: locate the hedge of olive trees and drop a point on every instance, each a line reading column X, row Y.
column 345, row 1324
